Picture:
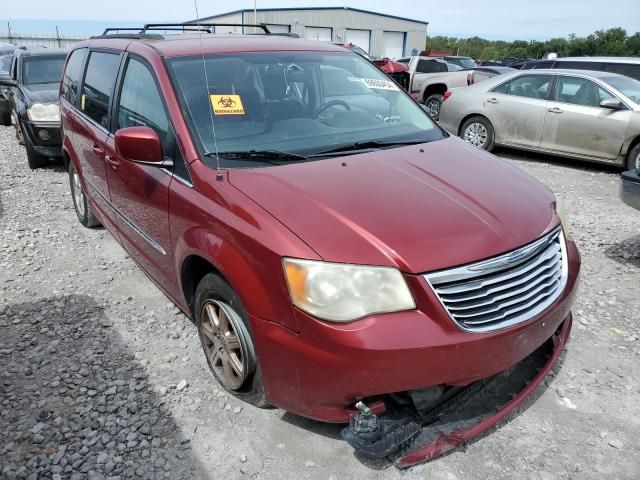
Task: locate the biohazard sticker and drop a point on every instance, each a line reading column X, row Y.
column 227, row 104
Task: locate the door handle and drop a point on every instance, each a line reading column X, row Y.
column 554, row 110
column 97, row 149
column 493, row 100
column 112, row 162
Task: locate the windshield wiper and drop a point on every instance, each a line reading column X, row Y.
column 264, row 156
column 357, row 146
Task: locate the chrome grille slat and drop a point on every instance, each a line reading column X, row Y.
column 503, row 286
column 510, row 312
column 474, row 285
column 542, row 280
column 505, row 290
column 503, row 305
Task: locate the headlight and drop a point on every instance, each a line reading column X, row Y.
column 562, row 215
column 44, row 112
column 342, row 293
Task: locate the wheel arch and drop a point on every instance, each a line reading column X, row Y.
column 434, row 88
column 262, row 292
column 194, row 268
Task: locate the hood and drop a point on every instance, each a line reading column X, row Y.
column 419, row 208
column 42, row 93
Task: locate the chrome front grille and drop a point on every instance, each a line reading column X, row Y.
column 504, row 290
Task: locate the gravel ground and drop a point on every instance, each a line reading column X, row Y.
column 101, row 377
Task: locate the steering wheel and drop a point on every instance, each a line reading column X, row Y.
column 331, row 103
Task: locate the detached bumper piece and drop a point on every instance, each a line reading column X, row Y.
column 427, row 423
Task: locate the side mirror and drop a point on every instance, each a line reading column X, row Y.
column 140, row 145
column 7, row 81
column 611, row 103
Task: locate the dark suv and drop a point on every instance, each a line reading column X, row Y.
column 35, row 76
column 627, row 66
column 332, row 244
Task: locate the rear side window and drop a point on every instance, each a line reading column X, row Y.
column 73, row 75
column 97, row 89
column 530, row 86
column 430, row 66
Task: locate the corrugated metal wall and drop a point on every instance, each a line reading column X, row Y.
column 338, row 20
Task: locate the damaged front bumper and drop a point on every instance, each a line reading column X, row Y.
column 406, row 436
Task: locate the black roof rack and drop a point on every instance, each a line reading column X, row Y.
column 142, row 32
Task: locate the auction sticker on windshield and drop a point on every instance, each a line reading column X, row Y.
column 227, row 104
column 379, row 84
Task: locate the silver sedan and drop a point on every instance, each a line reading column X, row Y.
column 592, row 116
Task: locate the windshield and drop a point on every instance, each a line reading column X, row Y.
column 628, row 86
column 5, row 63
column 42, row 69
column 300, row 103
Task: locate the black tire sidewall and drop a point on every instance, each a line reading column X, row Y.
column 631, row 158
column 213, row 287
column 84, row 219
column 489, row 144
column 34, row 159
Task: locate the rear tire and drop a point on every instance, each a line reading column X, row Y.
column 34, row 159
column 80, row 202
column 478, row 132
column 434, row 104
column 633, row 158
column 5, row 119
column 227, row 341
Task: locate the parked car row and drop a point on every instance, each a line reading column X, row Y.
column 430, row 78
column 29, row 101
column 585, row 115
column 322, row 231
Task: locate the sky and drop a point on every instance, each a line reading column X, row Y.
column 492, row 19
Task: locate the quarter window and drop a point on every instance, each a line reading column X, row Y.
column 72, row 75
column 580, row 91
column 98, row 86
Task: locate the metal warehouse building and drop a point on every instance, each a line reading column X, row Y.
column 379, row 34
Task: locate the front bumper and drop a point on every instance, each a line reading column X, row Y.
column 327, row 367
column 51, row 146
column 630, row 188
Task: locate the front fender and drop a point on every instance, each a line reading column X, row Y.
column 263, row 291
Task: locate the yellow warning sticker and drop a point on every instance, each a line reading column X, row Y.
column 227, row 104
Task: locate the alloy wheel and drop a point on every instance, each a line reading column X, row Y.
column 636, row 163
column 225, row 350
column 433, row 106
column 476, row 134
column 78, row 193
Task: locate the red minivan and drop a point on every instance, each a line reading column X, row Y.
column 332, row 244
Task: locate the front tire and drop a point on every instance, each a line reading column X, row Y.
column 633, row 158
column 80, row 201
column 479, row 132
column 5, row 119
column 34, row 159
column 227, row 341
column 434, row 104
